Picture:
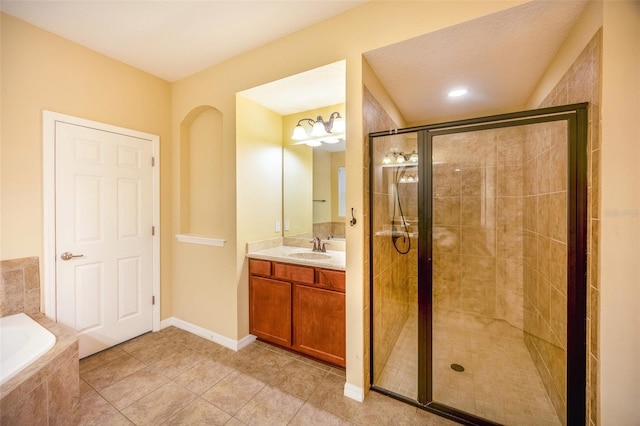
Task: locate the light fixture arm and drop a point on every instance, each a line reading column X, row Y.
column 328, row 125
column 309, row 121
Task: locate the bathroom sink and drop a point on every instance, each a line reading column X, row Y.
column 309, row 255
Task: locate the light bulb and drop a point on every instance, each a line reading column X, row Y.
column 413, row 157
column 400, row 159
column 318, row 128
column 410, row 179
column 386, row 159
column 298, row 133
column 338, row 125
column 403, row 179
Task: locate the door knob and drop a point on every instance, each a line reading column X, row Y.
column 68, row 256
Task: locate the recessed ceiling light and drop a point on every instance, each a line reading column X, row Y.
column 456, row 93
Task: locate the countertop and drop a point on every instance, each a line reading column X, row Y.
column 336, row 259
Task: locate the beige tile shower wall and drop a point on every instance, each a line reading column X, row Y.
column 477, row 224
column 545, row 249
column 394, row 274
column 582, row 83
column 509, row 221
column 19, row 286
column 375, row 119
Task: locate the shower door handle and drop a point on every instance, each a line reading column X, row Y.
column 68, row 256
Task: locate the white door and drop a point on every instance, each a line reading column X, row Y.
column 104, row 243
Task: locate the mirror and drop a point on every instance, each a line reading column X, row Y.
column 308, row 173
column 314, row 191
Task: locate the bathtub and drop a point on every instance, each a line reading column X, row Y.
column 22, row 341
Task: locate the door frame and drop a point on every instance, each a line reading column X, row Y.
column 49, row 120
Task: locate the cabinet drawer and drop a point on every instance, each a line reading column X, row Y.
column 259, row 267
column 328, row 278
column 301, row 274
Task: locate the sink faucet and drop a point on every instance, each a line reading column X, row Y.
column 318, row 245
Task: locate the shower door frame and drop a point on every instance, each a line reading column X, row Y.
column 575, row 115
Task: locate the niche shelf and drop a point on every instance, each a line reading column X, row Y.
column 200, row 239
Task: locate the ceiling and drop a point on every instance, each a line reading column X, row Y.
column 322, row 86
column 499, row 58
column 174, row 38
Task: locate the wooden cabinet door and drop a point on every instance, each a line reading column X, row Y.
column 319, row 323
column 270, row 310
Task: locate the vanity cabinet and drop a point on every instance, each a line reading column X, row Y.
column 301, row 308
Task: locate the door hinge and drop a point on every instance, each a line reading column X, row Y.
column 153, row 161
column 153, row 230
column 153, row 300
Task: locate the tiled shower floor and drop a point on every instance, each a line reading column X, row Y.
column 499, row 382
column 173, row 377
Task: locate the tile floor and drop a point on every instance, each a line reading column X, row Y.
column 173, row 377
column 500, row 381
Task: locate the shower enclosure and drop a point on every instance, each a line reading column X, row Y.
column 478, row 262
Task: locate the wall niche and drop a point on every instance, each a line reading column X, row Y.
column 201, row 176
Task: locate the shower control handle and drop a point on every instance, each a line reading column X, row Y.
column 68, row 256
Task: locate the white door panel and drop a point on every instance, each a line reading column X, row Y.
column 104, row 215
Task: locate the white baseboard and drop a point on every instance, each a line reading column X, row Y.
column 235, row 345
column 354, row 392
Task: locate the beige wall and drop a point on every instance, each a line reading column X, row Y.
column 620, row 212
column 297, row 189
column 41, row 71
column 337, row 161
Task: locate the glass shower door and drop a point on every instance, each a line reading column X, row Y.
column 499, row 250
column 394, row 268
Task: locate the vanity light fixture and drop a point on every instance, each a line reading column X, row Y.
column 320, row 129
column 408, row 178
column 395, row 158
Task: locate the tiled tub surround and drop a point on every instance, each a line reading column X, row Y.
column 46, row 391
column 19, row 286
column 23, row 342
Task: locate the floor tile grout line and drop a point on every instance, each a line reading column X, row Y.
column 236, row 366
